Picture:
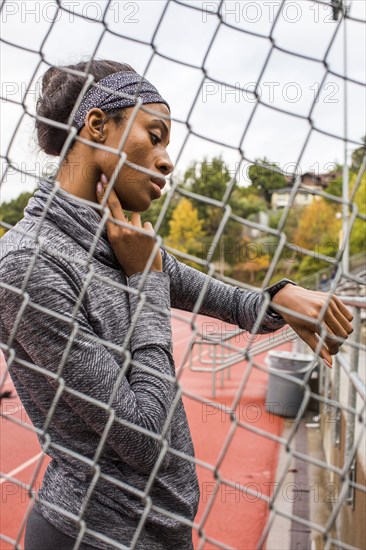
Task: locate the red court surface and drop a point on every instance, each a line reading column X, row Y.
column 236, row 518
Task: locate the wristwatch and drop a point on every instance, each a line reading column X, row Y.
column 273, row 289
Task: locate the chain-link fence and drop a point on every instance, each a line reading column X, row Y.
column 225, row 359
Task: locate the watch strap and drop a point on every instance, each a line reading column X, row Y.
column 273, row 289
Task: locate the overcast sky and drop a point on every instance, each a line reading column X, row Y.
column 184, row 34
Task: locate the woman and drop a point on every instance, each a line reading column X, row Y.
column 93, row 359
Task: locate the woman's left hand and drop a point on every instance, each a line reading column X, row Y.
column 336, row 320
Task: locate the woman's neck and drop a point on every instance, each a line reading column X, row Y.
column 78, row 175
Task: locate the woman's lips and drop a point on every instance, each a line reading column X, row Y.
column 160, row 182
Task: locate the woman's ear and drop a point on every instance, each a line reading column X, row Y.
column 94, row 125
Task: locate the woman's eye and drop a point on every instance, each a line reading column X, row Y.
column 155, row 139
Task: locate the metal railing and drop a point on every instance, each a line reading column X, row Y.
column 218, row 353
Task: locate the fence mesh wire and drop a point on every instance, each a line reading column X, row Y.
column 211, row 354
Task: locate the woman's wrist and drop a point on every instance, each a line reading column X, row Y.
column 277, row 293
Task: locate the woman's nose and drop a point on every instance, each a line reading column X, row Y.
column 164, row 164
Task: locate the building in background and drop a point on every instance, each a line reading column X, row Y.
column 310, row 183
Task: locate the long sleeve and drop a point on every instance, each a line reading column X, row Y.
column 222, row 301
column 89, row 367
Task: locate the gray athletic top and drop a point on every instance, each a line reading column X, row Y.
column 94, row 304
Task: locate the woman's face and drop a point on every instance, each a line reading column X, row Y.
column 146, row 147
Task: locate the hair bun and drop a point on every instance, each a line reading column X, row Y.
column 60, row 91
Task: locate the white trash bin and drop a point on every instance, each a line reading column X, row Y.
column 284, row 396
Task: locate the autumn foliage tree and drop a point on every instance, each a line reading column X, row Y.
column 2, row 229
column 358, row 231
column 190, row 225
column 318, row 231
column 185, row 228
column 252, row 268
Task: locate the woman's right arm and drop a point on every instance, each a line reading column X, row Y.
column 50, row 325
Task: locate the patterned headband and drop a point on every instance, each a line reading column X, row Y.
column 130, row 84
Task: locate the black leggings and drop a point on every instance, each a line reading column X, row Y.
column 42, row 535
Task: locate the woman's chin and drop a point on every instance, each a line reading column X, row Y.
column 139, row 207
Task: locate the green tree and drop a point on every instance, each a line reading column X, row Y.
column 208, row 178
column 335, row 186
column 357, row 156
column 265, row 178
column 310, row 265
column 13, row 211
column 244, row 202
